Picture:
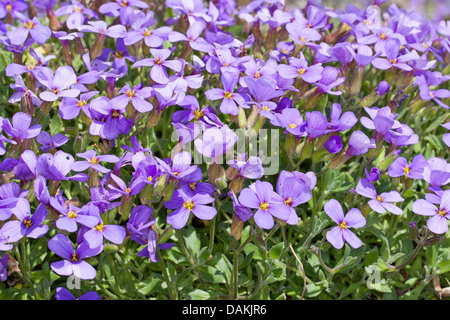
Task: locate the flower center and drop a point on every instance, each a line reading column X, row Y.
column 100, row 227
column 55, row 91
column 302, row 39
column 72, row 214
column 27, row 223
column 292, row 126
column 343, row 225
column 442, row 212
column 309, row 25
column 228, row 94
column 189, row 205
column 431, row 94
column 9, row 7
column 193, row 185
column 226, row 64
column 124, row 3
column 382, row 36
column 425, row 45
column 265, row 108
column 379, row 199
column 264, row 206
column 147, row 33
column 81, row 103
column 393, row 61
column 149, row 178
column 118, row 54
column 198, row 114
column 131, row 93
column 127, row 190
column 257, row 75
column 116, row 114
column 29, row 24
column 74, row 258
column 301, row 71
column 30, row 67
column 288, row 202
column 176, row 173
column 158, row 61
column 94, row 160
column 367, row 22
column 284, row 50
column 406, row 170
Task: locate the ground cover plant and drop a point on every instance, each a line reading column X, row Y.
column 223, row 150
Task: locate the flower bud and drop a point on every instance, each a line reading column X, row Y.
column 110, row 248
column 237, row 226
column 413, row 231
column 159, row 186
column 433, row 240
column 216, row 171
column 387, row 161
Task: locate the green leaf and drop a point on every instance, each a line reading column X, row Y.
column 276, row 250
column 444, row 266
column 198, row 294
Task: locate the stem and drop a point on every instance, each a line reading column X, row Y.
column 116, row 278
column 172, row 291
column 23, row 273
column 234, row 287
column 407, row 262
column 212, row 229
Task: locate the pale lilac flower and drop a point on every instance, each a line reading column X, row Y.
column 379, row 202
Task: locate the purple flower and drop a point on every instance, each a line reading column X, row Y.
column 427, row 94
column 109, row 120
column 183, row 204
column 302, row 35
column 75, row 14
column 64, row 294
column 334, row 144
column 380, row 37
column 250, row 169
column 22, row 92
column 215, row 142
column 181, row 167
column 94, row 237
column 92, row 161
column 437, row 172
column 122, row 8
column 231, row 100
column 73, row 263
column 57, row 84
column 392, row 49
column 298, row 68
column 379, row 203
column 4, row 267
column 159, row 63
column 340, row 234
column 294, row 193
column 33, row 27
column 140, row 220
column 71, row 215
column 400, row 167
column 446, row 136
column 383, row 87
column 437, row 222
column 21, row 128
column 269, row 204
column 359, row 143
column 133, row 189
column 152, row 38
column 48, row 142
column 372, row 175
column 291, row 120
column 26, row 225
column 70, row 107
column 137, row 96
column 192, row 36
column 101, row 27
column 341, row 122
column 329, row 81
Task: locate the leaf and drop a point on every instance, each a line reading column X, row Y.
column 276, row 250
column 444, row 266
column 198, row 294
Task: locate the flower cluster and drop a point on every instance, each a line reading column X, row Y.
column 96, row 88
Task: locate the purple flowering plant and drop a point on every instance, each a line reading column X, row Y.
column 222, row 150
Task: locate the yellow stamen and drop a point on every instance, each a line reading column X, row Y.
column 158, row 61
column 380, row 199
column 127, row 190
column 343, row 225
column 81, row 103
column 265, row 108
column 264, row 206
column 176, row 173
column 406, row 170
column 29, row 24
column 116, row 114
column 309, row 25
column 301, row 71
column 393, row 61
column 302, row 39
column 118, row 54
column 28, row 223
column 228, row 94
column 198, row 114
column 288, row 202
column 94, row 160
column 193, row 185
column 257, row 75
column 55, row 91
column 442, row 212
column 292, row 126
column 9, row 7
column 72, row 214
column 74, row 258
column 149, row 178
column 131, row 93
column 124, row 3
column 367, row 22
column 189, row 205
column 147, row 33
column 100, row 227
column 78, row 9
column 382, row 36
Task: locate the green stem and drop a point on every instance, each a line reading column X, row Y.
column 116, row 277
column 212, row 230
column 234, row 287
column 23, row 273
column 172, row 291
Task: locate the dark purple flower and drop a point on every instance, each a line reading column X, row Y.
column 73, row 263
column 48, row 142
column 71, row 215
column 64, row 294
column 414, row 170
column 26, row 225
column 333, row 144
column 183, row 204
